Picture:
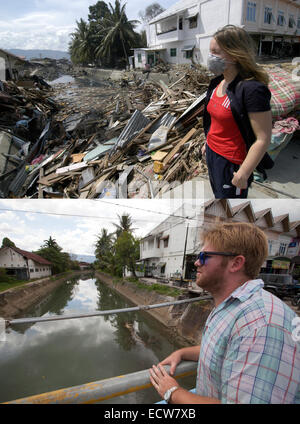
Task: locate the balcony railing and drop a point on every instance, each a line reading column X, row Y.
column 103, row 390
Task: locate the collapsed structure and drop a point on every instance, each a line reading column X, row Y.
column 137, row 140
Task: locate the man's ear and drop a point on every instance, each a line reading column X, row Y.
column 237, row 263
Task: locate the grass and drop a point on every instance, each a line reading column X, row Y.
column 158, row 288
column 7, row 282
column 10, row 283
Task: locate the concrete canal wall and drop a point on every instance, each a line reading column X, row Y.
column 15, row 301
column 186, row 321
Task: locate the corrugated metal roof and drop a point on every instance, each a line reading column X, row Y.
column 135, row 124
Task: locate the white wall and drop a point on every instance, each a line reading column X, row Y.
column 37, row 270
column 214, row 14
column 11, row 259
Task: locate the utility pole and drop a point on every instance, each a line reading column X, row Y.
column 183, row 261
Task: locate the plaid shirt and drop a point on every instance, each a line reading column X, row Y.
column 247, row 352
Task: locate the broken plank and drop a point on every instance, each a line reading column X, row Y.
column 179, row 145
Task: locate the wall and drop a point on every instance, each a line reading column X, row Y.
column 11, row 259
column 15, row 301
column 37, row 270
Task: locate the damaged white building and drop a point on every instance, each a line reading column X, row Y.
column 181, row 34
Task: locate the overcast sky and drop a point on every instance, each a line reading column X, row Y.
column 46, row 24
column 78, row 234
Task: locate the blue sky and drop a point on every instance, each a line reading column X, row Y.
column 77, row 235
column 46, row 24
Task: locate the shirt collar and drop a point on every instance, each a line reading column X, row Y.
column 247, row 289
column 242, row 293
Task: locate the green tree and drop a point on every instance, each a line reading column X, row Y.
column 125, row 224
column 103, row 251
column 150, row 12
column 52, row 244
column 51, row 251
column 81, row 46
column 127, row 251
column 120, row 35
column 6, row 242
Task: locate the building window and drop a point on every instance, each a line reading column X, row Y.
column 139, row 58
column 158, row 243
column 268, row 15
column 173, row 52
column 281, row 18
column 270, row 243
column 189, row 54
column 292, row 21
column 282, row 248
column 180, row 23
column 36, row 270
column 31, row 270
column 251, row 11
column 193, row 22
column 298, row 23
column 166, row 241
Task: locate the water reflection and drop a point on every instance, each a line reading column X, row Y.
column 42, row 357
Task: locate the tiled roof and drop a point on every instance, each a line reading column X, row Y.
column 33, row 256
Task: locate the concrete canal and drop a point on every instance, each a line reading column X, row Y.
column 42, row 357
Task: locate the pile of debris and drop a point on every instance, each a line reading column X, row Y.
column 101, row 141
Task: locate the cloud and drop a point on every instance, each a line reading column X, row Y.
column 47, row 24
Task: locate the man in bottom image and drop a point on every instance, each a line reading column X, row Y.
column 249, row 352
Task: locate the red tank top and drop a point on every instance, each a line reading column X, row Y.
column 224, row 136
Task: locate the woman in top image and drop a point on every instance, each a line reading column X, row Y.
column 237, row 117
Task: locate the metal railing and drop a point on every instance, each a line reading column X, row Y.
column 103, row 390
column 102, row 313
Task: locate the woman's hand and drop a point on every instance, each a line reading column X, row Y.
column 203, row 151
column 239, row 180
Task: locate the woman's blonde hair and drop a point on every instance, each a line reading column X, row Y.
column 238, row 44
column 241, row 238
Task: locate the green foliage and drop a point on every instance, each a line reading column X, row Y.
column 52, row 252
column 117, row 250
column 6, row 242
column 151, row 11
column 127, row 251
column 158, row 288
column 106, row 38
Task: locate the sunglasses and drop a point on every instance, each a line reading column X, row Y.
column 203, row 255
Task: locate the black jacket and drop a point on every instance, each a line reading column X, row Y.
column 245, row 96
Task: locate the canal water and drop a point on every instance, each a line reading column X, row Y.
column 42, row 357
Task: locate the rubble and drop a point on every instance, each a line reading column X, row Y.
column 131, row 139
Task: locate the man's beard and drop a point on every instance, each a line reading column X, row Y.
column 213, row 281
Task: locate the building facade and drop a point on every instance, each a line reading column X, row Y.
column 24, row 265
column 182, row 33
column 10, row 66
column 170, row 249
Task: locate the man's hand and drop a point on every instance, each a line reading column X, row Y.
column 161, row 380
column 173, row 360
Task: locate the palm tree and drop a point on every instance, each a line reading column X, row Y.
column 125, row 224
column 51, row 243
column 80, row 47
column 119, row 31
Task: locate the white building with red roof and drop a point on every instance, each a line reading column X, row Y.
column 24, row 265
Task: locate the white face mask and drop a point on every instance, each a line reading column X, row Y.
column 216, row 64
